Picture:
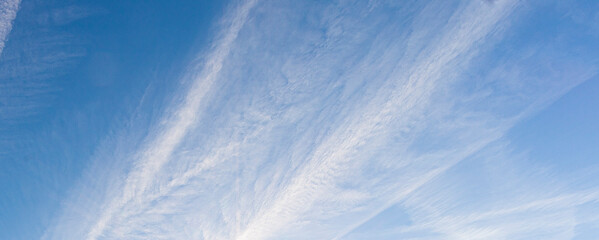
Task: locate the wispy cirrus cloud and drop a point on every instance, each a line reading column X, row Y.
column 316, row 117
column 331, row 163
column 160, row 149
column 8, row 12
column 505, row 197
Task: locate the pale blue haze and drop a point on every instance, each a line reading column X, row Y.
column 260, row 119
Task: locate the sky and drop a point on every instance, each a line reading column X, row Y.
column 336, row 119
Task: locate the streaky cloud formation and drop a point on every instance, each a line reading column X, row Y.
column 516, row 208
column 8, row 12
column 160, row 149
column 310, row 120
column 330, row 159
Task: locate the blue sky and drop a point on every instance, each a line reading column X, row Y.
column 254, row 119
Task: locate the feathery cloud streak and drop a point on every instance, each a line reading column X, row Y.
column 319, row 117
column 523, row 204
column 159, row 151
column 8, row 12
column 329, row 161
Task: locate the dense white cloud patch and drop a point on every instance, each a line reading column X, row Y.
column 304, row 121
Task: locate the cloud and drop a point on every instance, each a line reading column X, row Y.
column 313, row 117
column 8, row 12
column 500, row 201
column 66, row 15
column 402, row 99
column 160, row 149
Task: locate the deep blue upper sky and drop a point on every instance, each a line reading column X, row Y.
column 253, row 119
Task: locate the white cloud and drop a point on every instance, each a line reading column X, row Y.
column 313, row 118
column 408, row 97
column 8, row 12
column 521, row 206
column 160, row 149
